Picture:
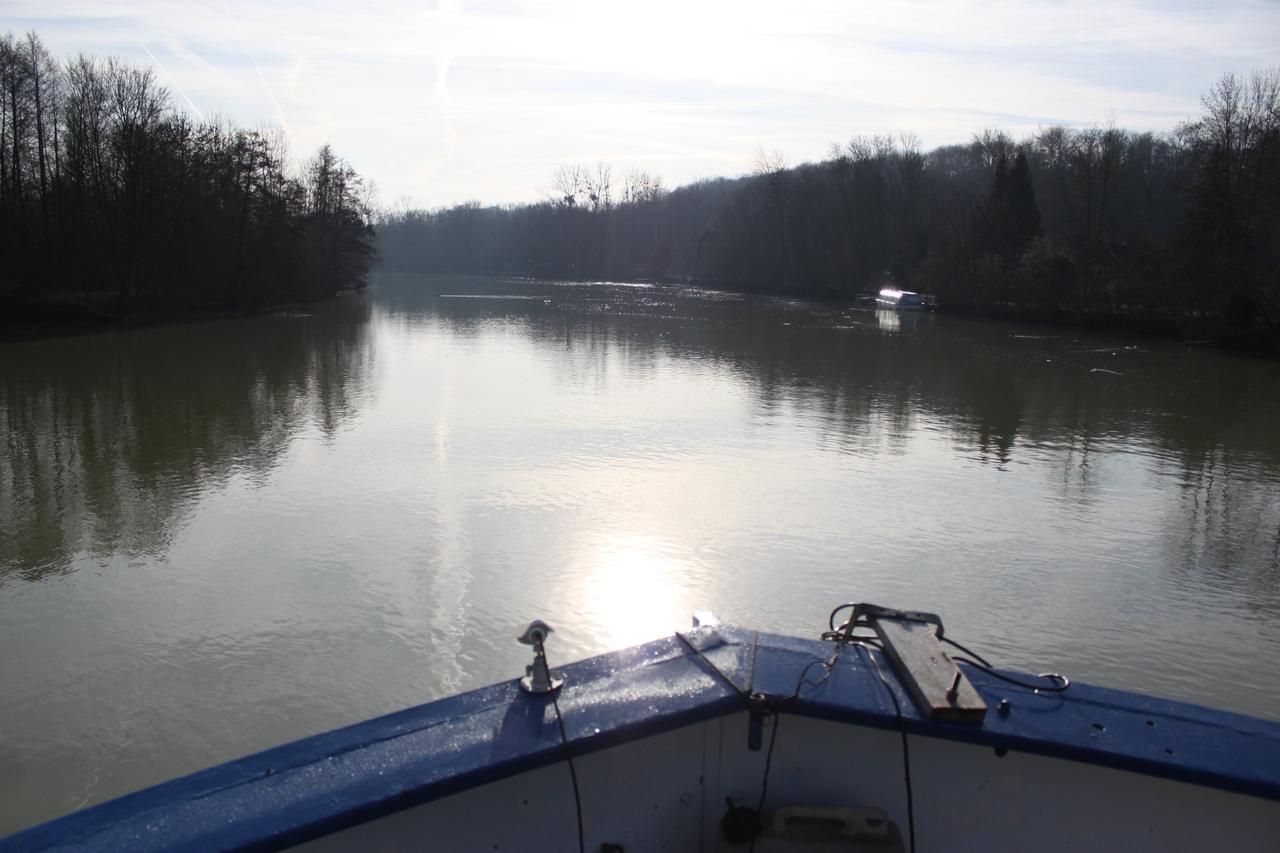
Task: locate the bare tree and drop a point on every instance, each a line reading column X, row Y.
column 769, row 162
column 640, row 187
column 599, row 186
column 568, row 183
column 994, row 145
column 44, row 96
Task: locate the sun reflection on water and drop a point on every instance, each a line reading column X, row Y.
column 633, row 590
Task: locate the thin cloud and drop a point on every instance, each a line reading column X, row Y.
column 454, row 101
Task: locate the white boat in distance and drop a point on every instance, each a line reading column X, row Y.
column 903, row 300
column 724, row 739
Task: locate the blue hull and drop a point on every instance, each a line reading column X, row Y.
column 315, row 787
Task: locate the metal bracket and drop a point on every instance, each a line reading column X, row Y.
column 865, row 611
column 911, row 641
column 538, row 678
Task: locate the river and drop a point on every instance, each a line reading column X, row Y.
column 218, row 536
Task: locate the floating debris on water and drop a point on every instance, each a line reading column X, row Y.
column 520, row 296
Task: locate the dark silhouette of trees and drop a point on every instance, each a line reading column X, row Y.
column 1231, row 228
column 1019, row 214
column 113, row 203
column 1006, row 221
column 1176, row 233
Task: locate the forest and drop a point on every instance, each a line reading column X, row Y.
column 114, row 204
column 1174, row 233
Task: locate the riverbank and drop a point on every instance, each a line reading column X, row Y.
column 1188, row 328
column 28, row 319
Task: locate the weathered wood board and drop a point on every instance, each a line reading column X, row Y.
column 928, row 672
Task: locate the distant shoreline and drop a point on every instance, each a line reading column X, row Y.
column 1166, row 328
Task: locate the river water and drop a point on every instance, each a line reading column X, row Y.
column 219, row 536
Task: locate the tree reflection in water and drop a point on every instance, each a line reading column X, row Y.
column 109, row 439
column 1002, row 393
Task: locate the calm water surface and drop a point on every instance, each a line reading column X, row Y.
column 221, row 536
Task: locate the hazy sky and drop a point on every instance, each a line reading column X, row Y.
column 449, row 101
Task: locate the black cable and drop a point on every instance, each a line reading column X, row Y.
column 979, row 662
column 844, row 633
column 983, row 661
column 573, row 774
column 906, row 754
column 831, row 620
column 764, row 782
column 775, row 710
column 803, row 680
column 842, row 637
column 1061, row 682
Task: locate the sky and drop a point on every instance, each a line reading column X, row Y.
column 444, row 102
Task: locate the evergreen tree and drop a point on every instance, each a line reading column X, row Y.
column 1009, row 218
column 1021, row 216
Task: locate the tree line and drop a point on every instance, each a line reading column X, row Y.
column 1173, row 232
column 114, row 203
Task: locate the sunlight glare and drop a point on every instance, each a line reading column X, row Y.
column 633, row 591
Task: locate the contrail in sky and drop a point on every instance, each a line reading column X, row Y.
column 244, row 46
column 173, row 82
column 442, row 90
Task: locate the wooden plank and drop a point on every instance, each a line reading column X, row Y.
column 928, row 672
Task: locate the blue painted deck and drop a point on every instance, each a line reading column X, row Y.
column 321, row 784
